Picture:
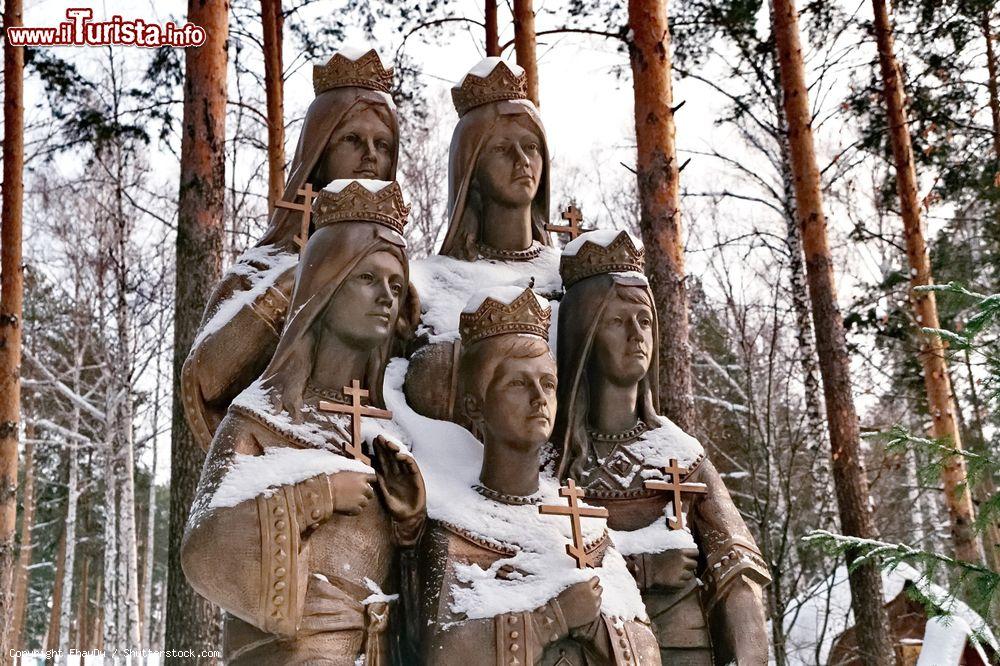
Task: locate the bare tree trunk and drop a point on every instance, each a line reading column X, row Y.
column 192, row 622
column 993, row 71
column 11, row 307
column 853, row 497
column 659, row 195
column 524, row 45
column 111, row 624
column 52, row 634
column 72, row 499
column 24, row 556
column 492, row 30
column 81, row 638
column 940, row 400
column 150, row 553
column 272, row 21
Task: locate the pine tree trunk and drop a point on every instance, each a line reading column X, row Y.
column 853, row 498
column 192, row 622
column 492, row 29
column 992, row 71
column 24, row 556
column 272, row 21
column 11, row 306
column 659, row 195
column 524, row 45
column 940, row 400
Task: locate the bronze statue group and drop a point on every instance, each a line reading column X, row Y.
column 458, row 460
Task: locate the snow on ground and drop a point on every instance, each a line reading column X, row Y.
column 450, row 459
column 445, row 285
column 826, row 613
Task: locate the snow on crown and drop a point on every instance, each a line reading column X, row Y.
column 352, row 67
column 500, row 313
column 492, row 80
column 597, row 252
column 376, row 201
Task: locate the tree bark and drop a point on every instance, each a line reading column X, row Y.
column 659, row 196
column 52, row 634
column 492, row 30
column 851, row 484
column 993, row 71
column 940, row 400
column 524, row 45
column 192, row 622
column 72, row 500
column 273, row 21
column 11, row 307
column 24, row 556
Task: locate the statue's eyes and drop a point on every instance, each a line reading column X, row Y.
column 532, row 146
column 646, row 322
column 367, row 278
column 549, row 385
column 396, row 288
column 517, row 382
column 499, row 148
column 618, row 321
column 351, row 138
column 383, row 146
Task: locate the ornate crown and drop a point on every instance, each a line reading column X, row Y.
column 597, row 252
column 500, row 315
column 491, row 80
column 376, row 201
column 352, row 68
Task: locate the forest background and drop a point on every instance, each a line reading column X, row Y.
column 102, row 161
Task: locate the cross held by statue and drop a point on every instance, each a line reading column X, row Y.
column 572, row 228
column 573, row 494
column 354, row 449
column 308, row 194
column 676, row 488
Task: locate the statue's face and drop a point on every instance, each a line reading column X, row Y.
column 363, row 312
column 361, row 147
column 623, row 343
column 520, row 402
column 510, row 164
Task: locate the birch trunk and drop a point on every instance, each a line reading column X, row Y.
column 147, row 579
column 11, row 306
column 192, row 622
column 524, row 45
column 940, row 399
column 272, row 21
column 659, row 195
column 72, row 499
column 111, row 571
column 52, row 634
column 492, row 30
column 24, row 556
column 851, row 484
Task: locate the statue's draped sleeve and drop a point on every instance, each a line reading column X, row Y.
column 236, row 338
column 252, row 558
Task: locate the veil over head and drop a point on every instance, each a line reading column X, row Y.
column 474, row 128
column 332, row 253
column 326, row 113
column 580, row 313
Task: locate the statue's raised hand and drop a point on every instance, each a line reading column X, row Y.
column 672, row 568
column 400, row 481
column 352, row 491
column 581, row 603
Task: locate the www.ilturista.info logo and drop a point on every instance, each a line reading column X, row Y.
column 80, row 30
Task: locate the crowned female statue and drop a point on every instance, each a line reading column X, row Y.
column 350, row 131
column 698, row 568
column 286, row 533
column 498, row 205
column 498, row 585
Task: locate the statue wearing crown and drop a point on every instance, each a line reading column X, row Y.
column 498, row 206
column 699, row 570
column 295, row 531
column 350, row 131
column 498, row 585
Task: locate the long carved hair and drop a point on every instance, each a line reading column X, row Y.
column 580, row 313
column 464, row 203
column 326, row 113
column 330, row 256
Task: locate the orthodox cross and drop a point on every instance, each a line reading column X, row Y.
column 676, row 487
column 356, row 410
column 305, row 208
column 573, row 217
column 575, row 511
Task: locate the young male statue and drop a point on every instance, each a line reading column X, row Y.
column 286, row 533
column 350, row 131
column 498, row 205
column 499, row 587
column 611, row 441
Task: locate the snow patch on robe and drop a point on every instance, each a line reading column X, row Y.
column 450, row 459
column 656, row 447
column 257, row 399
column 250, row 476
column 275, row 261
column 653, row 538
column 446, row 284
